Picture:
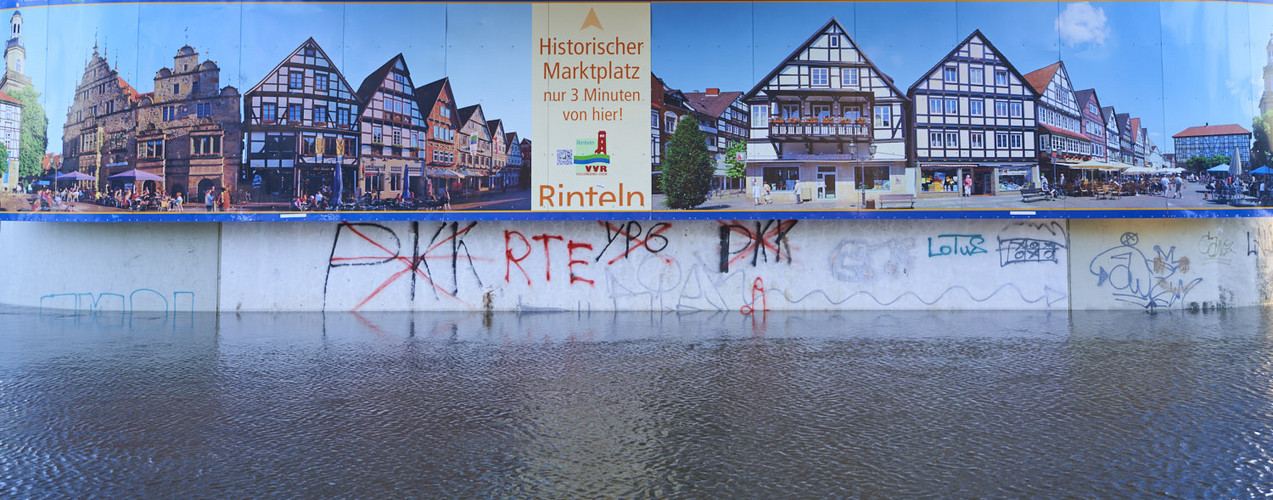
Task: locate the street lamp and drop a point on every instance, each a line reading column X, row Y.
column 861, row 174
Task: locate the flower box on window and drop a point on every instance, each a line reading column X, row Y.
column 860, row 121
column 778, row 120
column 811, row 120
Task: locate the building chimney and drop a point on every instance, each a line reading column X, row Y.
column 713, row 91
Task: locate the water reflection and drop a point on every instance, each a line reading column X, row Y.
column 636, row 404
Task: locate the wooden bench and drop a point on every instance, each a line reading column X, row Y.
column 1033, row 194
column 897, row 200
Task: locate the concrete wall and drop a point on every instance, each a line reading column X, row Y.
column 668, row 266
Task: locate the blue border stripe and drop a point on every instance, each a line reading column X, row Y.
column 660, row 215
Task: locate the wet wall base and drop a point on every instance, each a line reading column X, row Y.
column 723, row 265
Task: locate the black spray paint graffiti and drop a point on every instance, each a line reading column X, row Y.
column 1019, row 249
column 859, row 261
column 1261, row 242
column 771, row 237
column 956, row 244
column 1139, row 279
column 373, row 245
column 631, row 233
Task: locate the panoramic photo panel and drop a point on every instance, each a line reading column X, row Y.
column 700, row 72
column 1214, row 89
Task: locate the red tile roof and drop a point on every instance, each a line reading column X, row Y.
column 1233, row 129
column 712, row 104
column 1061, row 131
column 1039, row 78
column 7, row 97
column 1136, row 130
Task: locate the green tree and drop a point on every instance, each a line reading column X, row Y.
column 1261, row 152
column 736, row 159
column 33, row 137
column 687, row 167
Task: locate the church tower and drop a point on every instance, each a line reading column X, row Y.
column 1266, row 99
column 15, row 58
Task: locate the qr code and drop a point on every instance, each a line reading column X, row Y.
column 565, row 158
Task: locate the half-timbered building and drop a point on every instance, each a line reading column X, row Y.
column 1093, row 122
column 1113, row 148
column 304, row 98
column 1126, row 139
column 437, row 105
column 826, row 122
column 974, row 115
column 392, row 132
column 473, row 144
column 1138, row 142
column 1060, row 131
column 725, row 117
column 513, row 177
column 499, row 152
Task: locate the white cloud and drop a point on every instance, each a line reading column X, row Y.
column 1081, row 23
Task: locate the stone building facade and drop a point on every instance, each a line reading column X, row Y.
column 98, row 137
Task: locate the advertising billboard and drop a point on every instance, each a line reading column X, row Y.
column 121, row 111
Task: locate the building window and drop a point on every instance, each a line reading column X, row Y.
column 950, row 75
column 850, row 76
column 976, row 76
column 781, row 178
column 883, row 117
column 1016, row 140
column 204, row 109
column 834, row 41
column 952, row 106
column 934, row 106
column 320, row 115
column 977, row 140
column 1001, row 77
column 296, row 80
column 975, row 107
column 342, row 116
column 320, row 82
column 818, row 77
column 170, row 113
column 377, row 136
column 821, row 110
column 1001, row 140
column 1014, row 108
column 295, row 113
column 935, row 140
column 654, row 119
column 309, row 50
column 952, row 139
column 151, row 149
column 205, row 145
column 269, row 112
column 397, row 137
column 176, row 88
column 669, row 123
column 1001, row 108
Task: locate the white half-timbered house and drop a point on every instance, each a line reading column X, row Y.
column 1126, row 139
column 302, row 99
column 826, row 122
column 1061, row 138
column 974, row 115
column 393, row 132
column 1093, row 122
column 473, row 145
column 1113, row 153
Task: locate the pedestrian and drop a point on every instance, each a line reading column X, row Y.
column 967, row 185
column 209, row 199
column 178, row 202
column 756, row 191
column 768, row 199
column 224, row 200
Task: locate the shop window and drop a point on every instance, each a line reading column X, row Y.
column 782, row 178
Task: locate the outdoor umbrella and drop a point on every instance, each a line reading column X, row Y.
column 339, row 184
column 74, row 176
column 406, row 182
column 1219, row 168
column 1262, row 171
column 135, row 175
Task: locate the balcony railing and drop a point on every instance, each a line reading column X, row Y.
column 819, row 131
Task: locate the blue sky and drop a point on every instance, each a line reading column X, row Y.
column 483, row 48
column 1173, row 64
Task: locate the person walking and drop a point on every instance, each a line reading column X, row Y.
column 209, row 198
column 756, row 191
column 967, row 185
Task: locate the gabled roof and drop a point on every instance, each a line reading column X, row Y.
column 1061, row 131
column 466, row 113
column 372, row 83
column 318, row 49
column 975, row 33
column 510, row 138
column 795, row 53
column 1231, row 129
column 493, row 126
column 713, row 105
column 1108, row 112
column 128, row 89
column 1135, row 125
column 1082, row 96
column 1124, row 122
column 427, row 98
column 1040, row 78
